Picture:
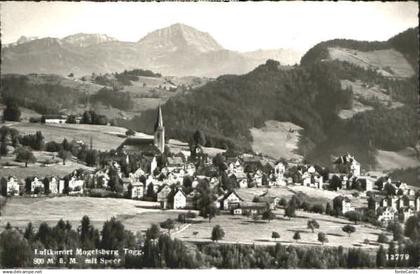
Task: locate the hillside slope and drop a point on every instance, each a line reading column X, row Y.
column 312, row 96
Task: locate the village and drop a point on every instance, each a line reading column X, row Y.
column 245, row 185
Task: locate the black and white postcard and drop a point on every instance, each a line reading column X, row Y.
column 209, row 135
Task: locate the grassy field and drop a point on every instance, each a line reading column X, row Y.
column 9, row 167
column 136, row 217
column 389, row 62
column 388, row 160
column 249, row 193
column 240, row 229
column 133, row 214
column 277, row 139
column 104, row 137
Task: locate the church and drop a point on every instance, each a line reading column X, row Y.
column 146, row 145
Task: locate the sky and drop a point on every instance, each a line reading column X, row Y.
column 237, row 26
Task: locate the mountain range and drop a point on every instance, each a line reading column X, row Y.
column 177, row 50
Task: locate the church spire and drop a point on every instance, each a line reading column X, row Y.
column 159, row 139
column 159, row 120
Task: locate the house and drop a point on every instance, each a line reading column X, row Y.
column 253, row 208
column 56, row 184
column 12, row 187
column 191, row 200
column 237, row 211
column 407, row 213
column 346, row 205
column 137, row 190
column 180, row 199
column 229, row 200
column 306, row 179
column 387, row 215
column 393, row 202
column 190, row 169
column 347, row 164
column 243, row 183
column 102, row 178
column 258, row 177
column 37, row 186
column 54, row 119
column 374, row 203
column 279, row 170
column 342, row 204
column 270, row 200
column 162, row 196
column 365, row 182
column 75, row 185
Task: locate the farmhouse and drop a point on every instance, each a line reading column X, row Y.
column 54, row 119
column 229, row 200
column 137, row 190
column 180, row 200
column 342, row 204
column 76, row 185
column 347, row 164
column 162, row 196
column 36, row 186
column 251, row 208
column 12, row 188
column 56, row 185
column 387, row 215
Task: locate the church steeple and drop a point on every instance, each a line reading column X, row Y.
column 159, row 131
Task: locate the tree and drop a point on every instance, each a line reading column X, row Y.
column 318, row 208
column 29, row 232
column 130, row 132
column 312, row 225
column 381, row 257
column 290, row 210
column 71, row 119
column 255, row 217
column 268, row 215
column 275, row 235
column 65, row 155
column 91, row 157
column 397, row 232
column 16, row 251
column 24, row 154
column 335, row 183
column 322, row 237
column 217, row 234
column 349, row 229
column 328, row 209
column 296, row 236
column 412, row 227
column 12, row 111
column 46, row 183
column 382, row 238
column 169, row 224
column 153, row 232
column 353, row 216
column 389, row 189
column 199, row 138
column 292, row 260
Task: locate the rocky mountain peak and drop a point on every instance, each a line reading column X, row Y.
column 178, row 37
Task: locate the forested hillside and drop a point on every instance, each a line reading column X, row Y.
column 310, row 96
column 226, row 108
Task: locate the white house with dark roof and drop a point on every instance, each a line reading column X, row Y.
column 229, row 200
column 12, row 186
column 179, row 200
